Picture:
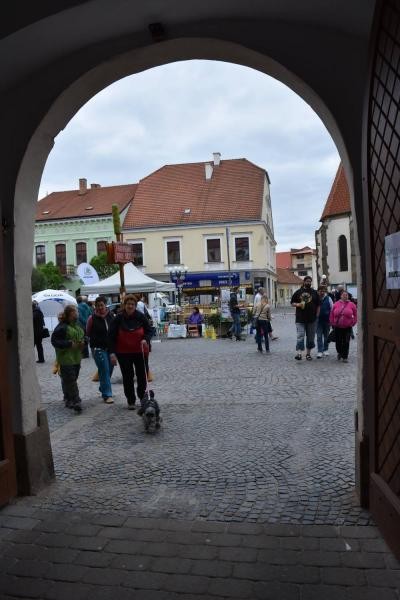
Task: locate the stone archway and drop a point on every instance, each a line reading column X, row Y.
column 67, row 83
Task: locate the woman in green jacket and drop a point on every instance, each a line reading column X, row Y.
column 68, row 339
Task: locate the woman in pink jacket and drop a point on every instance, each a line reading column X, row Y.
column 343, row 316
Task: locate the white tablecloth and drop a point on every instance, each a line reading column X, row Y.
column 176, row 331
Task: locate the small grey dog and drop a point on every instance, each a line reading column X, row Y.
column 150, row 412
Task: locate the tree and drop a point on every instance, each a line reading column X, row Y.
column 102, row 267
column 52, row 274
column 38, row 281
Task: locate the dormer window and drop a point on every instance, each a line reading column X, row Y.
column 46, row 212
column 88, row 207
column 187, row 211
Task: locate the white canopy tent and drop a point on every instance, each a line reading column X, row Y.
column 135, row 281
column 51, row 303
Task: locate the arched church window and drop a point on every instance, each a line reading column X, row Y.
column 343, row 261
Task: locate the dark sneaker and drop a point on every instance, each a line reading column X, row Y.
column 131, row 407
column 298, row 356
column 308, row 357
column 77, row 408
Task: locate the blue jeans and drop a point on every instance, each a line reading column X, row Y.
column 236, row 328
column 322, row 336
column 105, row 369
column 308, row 330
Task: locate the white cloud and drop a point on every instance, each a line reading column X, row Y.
column 183, row 112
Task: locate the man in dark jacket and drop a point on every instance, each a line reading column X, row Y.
column 38, row 324
column 323, row 325
column 235, row 314
column 307, row 304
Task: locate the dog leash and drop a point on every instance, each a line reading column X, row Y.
column 145, row 371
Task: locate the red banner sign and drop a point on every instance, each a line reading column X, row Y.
column 119, row 252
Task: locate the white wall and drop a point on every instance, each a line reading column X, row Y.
column 337, row 227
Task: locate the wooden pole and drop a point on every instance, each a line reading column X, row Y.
column 117, row 231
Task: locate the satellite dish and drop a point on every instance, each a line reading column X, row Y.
column 87, row 273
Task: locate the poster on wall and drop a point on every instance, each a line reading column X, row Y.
column 225, row 297
column 392, row 260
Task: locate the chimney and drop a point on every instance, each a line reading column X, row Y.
column 217, row 158
column 94, row 186
column 209, row 170
column 82, row 186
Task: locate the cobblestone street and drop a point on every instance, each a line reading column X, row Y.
column 247, row 491
column 245, row 437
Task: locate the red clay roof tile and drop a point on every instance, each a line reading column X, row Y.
column 180, row 194
column 287, row 276
column 283, row 260
column 338, row 201
column 70, row 204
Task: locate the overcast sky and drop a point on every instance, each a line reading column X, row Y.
column 184, row 112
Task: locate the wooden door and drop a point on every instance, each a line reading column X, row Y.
column 382, row 196
column 8, row 485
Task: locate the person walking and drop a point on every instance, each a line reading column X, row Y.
column 262, row 315
column 128, row 341
column 38, row 325
column 323, row 325
column 343, row 317
column 84, row 312
column 236, row 328
column 97, row 328
column 307, row 303
column 68, row 341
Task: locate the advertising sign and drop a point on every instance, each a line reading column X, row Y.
column 87, row 273
column 392, row 260
column 123, row 252
column 216, row 280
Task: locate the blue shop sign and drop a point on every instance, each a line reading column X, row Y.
column 220, row 279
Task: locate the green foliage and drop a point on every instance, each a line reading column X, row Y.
column 38, row 281
column 52, row 275
column 214, row 319
column 102, row 267
column 116, row 219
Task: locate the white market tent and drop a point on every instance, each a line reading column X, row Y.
column 51, row 303
column 135, row 281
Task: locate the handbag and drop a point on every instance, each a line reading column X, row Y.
column 332, row 335
column 45, row 333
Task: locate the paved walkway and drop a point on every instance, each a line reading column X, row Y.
column 246, row 492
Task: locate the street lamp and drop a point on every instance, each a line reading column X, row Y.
column 178, row 276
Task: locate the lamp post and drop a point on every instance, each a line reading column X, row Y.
column 178, row 276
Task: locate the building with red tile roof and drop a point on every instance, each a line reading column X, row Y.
column 73, row 226
column 335, row 237
column 212, row 216
column 287, row 283
column 301, row 262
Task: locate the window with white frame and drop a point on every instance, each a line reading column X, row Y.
column 213, row 250
column 242, row 248
column 40, row 252
column 137, row 248
column 101, row 247
column 173, row 252
column 61, row 257
column 81, row 254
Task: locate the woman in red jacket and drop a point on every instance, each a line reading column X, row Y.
column 129, row 337
column 343, row 316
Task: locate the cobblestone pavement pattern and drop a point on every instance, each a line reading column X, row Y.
column 245, row 437
column 246, row 492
